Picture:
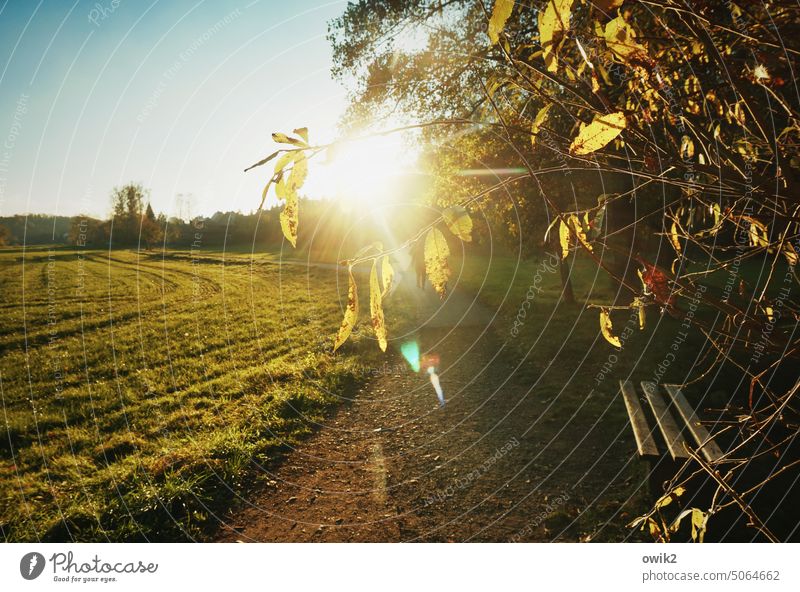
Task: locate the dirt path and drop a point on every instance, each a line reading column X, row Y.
column 498, row 463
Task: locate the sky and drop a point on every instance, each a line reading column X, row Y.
column 178, row 96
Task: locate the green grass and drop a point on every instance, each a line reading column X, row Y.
column 142, row 392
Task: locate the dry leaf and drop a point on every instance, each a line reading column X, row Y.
column 500, row 13
column 563, row 238
column 552, row 26
column 606, row 327
column 376, row 306
column 350, row 314
column 598, row 133
column 436, row 265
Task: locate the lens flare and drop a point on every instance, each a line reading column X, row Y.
column 410, row 351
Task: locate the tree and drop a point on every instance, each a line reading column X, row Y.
column 85, row 231
column 151, row 231
column 127, row 213
column 659, row 140
column 5, row 236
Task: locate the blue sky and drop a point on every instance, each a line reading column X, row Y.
column 179, row 96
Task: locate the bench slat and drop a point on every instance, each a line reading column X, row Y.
column 641, row 430
column 669, row 429
column 708, row 447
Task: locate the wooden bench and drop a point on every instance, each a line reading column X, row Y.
column 661, row 433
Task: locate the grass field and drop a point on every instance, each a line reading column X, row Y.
column 143, row 393
column 140, row 392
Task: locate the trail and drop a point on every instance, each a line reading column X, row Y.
column 392, row 466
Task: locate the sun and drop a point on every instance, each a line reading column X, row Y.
column 369, row 171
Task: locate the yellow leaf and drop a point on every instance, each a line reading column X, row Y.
column 717, row 214
column 459, row 222
column 387, row 275
column 376, row 306
column 284, row 139
column 299, row 173
column 699, row 522
column 286, row 188
column 687, row 148
column 576, row 226
column 538, row 121
column 654, row 528
column 302, row 132
column 598, row 133
column 621, row 40
column 285, row 160
column 552, row 26
column 563, row 238
column 350, row 314
column 500, row 13
column 638, row 303
column 757, row 231
column 606, row 327
column 666, row 499
column 290, row 216
column 436, row 265
column 673, row 238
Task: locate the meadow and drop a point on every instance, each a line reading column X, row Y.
column 141, row 392
column 144, row 394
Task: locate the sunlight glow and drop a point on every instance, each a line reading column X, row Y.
column 366, row 172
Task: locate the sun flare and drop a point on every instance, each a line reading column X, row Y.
column 367, row 172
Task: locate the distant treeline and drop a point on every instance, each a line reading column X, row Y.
column 324, row 226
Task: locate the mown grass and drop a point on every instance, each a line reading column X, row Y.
column 142, row 393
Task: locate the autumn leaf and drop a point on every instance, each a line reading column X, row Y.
column 669, row 497
column 286, row 185
column 621, row 40
column 350, row 314
column 656, row 282
column 290, row 216
column 436, row 265
column 715, row 209
column 579, row 232
column 299, row 173
column 638, row 304
column 687, row 148
column 387, row 275
column 459, row 222
column 500, row 13
column 757, row 231
column 302, row 132
column 284, row 139
column 285, row 160
column 552, row 26
column 376, row 306
column 673, row 238
column 538, row 122
column 699, row 522
column 563, row 239
column 598, row 133
column 606, row 328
